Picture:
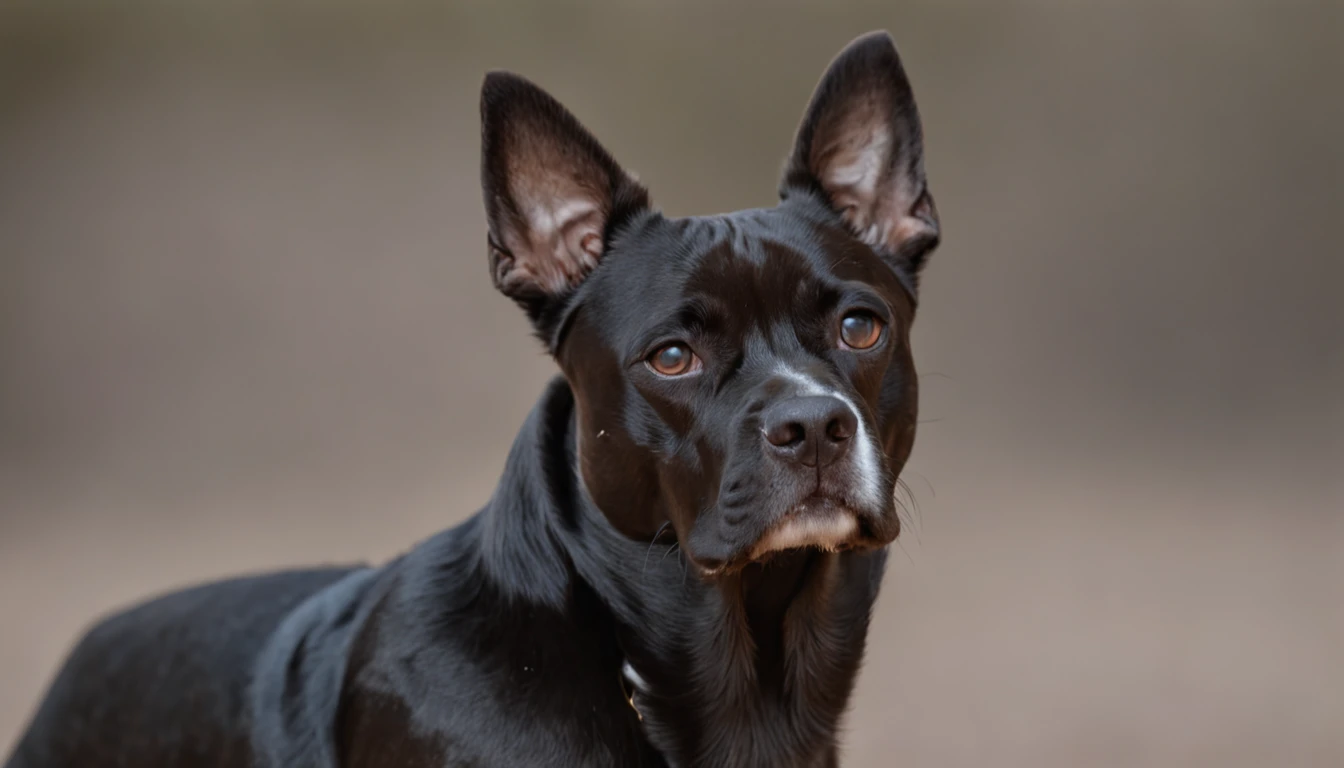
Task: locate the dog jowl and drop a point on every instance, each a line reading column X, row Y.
column 679, row 562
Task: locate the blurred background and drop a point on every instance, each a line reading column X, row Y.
column 246, row 323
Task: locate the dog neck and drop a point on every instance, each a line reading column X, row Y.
column 751, row 668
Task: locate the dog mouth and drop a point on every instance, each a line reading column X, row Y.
column 817, row 522
column 821, row 521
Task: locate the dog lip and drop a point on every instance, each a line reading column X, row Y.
column 821, row 521
column 817, row 521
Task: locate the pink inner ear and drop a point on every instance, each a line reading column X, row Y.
column 853, row 168
column 854, row 160
column 561, row 198
column 559, row 240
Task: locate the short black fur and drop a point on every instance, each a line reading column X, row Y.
column 675, row 569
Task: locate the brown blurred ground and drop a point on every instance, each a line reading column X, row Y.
column 245, row 322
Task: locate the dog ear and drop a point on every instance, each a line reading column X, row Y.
column 861, row 146
column 553, row 195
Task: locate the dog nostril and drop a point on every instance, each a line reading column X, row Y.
column 840, row 429
column 811, row 431
column 786, row 434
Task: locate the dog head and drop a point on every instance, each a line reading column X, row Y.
column 746, row 378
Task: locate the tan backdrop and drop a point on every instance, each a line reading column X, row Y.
column 245, row 322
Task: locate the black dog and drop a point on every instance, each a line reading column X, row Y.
column 737, row 386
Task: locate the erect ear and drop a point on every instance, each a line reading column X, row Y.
column 861, row 146
column 552, row 194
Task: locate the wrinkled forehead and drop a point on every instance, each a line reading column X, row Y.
column 731, row 276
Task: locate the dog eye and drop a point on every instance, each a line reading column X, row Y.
column 674, row 359
column 860, row 330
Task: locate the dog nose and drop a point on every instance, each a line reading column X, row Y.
column 813, row 431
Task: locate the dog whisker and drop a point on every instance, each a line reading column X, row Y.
column 657, row 535
column 914, row 507
column 905, row 552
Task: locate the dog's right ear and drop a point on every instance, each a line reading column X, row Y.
column 553, row 196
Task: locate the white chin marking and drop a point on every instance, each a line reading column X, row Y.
column 826, row 531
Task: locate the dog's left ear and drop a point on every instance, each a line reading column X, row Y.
column 553, row 195
column 861, row 146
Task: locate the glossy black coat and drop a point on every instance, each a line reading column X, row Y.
column 621, row 532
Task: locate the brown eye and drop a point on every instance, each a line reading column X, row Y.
column 860, row 330
column 673, row 360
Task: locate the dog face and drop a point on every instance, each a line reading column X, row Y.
column 746, row 378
